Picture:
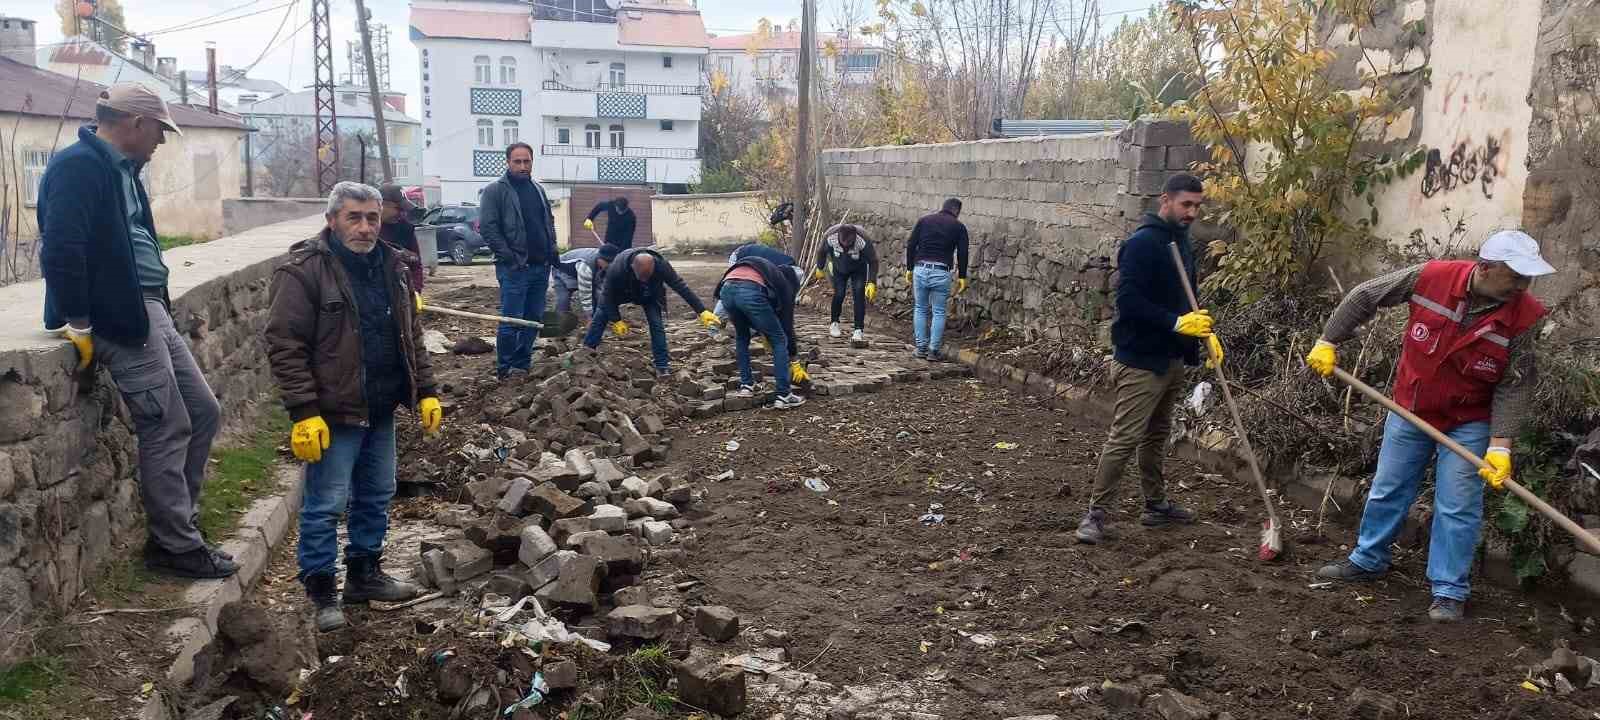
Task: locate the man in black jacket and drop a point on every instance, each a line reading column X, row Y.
column 760, row 294
column 641, row 276
column 1155, row 335
column 517, row 222
column 855, row 267
column 106, row 292
column 620, row 222
column 938, row 241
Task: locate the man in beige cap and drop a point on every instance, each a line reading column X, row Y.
column 106, row 292
column 1467, row 367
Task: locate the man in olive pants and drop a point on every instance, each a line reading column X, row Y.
column 1155, row 334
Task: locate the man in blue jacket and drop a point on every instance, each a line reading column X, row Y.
column 520, row 228
column 1155, row 336
column 106, row 292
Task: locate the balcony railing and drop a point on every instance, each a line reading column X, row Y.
column 640, row 152
column 640, row 88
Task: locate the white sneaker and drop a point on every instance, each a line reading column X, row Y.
column 858, row 336
column 745, row 391
column 833, row 330
column 788, row 401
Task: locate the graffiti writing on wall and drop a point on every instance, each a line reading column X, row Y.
column 1467, row 164
column 698, row 211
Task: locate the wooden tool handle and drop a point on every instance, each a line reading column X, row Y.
column 1227, row 394
column 1586, row 538
column 479, row 316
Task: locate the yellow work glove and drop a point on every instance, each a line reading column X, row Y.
column 431, row 415
column 766, row 343
column 619, row 328
column 309, row 438
column 1322, row 359
column 418, row 297
column 961, row 286
column 83, row 340
column 709, row 319
column 1215, row 354
column 872, row 292
column 1195, row 324
column 818, row 274
column 797, row 372
column 1499, row 470
column 908, row 277
column 588, row 224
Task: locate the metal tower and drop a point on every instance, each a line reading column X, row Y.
column 327, row 116
column 357, row 63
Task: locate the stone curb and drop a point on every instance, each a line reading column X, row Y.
column 261, row 531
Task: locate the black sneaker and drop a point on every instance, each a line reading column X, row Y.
column 1165, row 513
column 1092, row 530
column 364, row 580
column 920, row 354
column 199, row 563
column 1349, row 572
column 151, row 546
column 937, row 356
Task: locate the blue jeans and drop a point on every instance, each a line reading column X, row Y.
column 522, row 295
column 604, row 316
column 932, row 288
column 749, row 308
column 356, row 474
column 1457, row 503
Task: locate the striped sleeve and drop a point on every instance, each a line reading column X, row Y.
column 1510, row 408
column 1362, row 303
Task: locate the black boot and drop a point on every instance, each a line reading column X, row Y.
column 365, row 580
column 323, row 589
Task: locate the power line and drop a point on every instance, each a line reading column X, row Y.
column 187, row 23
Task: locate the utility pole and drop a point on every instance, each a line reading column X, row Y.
column 249, row 189
column 377, row 97
column 802, row 144
column 211, row 76
column 327, row 115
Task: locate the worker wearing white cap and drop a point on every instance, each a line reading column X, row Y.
column 1466, row 367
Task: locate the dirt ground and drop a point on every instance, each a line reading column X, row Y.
column 937, row 575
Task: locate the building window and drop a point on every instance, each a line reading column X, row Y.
column 480, row 70
column 508, row 70
column 725, row 66
column 33, row 164
column 861, row 63
column 591, row 136
column 486, row 133
column 509, row 129
column 563, row 136
column 619, row 75
column 666, row 61
column 402, row 165
column 784, row 66
column 615, row 131
column 666, row 125
column 763, row 66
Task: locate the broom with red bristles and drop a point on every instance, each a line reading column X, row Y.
column 1271, row 531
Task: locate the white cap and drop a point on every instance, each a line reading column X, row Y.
column 1517, row 249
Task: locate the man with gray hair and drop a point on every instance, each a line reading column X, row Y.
column 346, row 349
column 106, row 292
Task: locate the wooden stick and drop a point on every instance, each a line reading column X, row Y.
column 1227, row 394
column 1584, row 537
column 408, row 603
column 480, row 316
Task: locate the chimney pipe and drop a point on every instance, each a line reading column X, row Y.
column 17, row 40
column 211, row 75
column 167, row 67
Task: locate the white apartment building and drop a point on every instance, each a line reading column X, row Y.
column 607, row 95
column 767, row 65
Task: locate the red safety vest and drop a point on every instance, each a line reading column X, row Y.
column 1449, row 369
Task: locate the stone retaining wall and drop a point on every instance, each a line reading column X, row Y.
column 1045, row 214
column 68, row 494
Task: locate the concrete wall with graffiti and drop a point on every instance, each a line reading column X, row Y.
column 685, row 223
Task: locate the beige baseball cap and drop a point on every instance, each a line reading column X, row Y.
column 136, row 99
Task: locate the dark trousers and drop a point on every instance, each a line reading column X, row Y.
column 857, row 283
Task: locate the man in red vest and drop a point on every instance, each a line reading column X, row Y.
column 1466, row 367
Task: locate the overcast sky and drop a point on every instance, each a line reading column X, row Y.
column 242, row 30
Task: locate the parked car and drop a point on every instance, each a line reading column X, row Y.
column 459, row 239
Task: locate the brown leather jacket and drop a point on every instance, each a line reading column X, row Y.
column 313, row 336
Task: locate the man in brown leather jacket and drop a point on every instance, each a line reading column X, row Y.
column 346, row 350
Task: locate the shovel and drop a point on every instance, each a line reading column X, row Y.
column 1271, row 531
column 427, row 307
column 1584, row 537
